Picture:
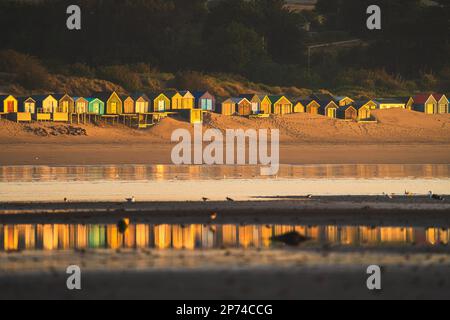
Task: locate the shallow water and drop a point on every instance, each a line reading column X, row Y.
column 49, row 237
column 191, row 183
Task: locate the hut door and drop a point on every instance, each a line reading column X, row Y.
column 113, row 107
column 429, row 109
column 10, row 108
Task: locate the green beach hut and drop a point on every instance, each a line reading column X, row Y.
column 96, row 106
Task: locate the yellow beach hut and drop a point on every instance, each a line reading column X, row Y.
column 46, row 105
column 363, row 109
column 161, row 103
column 280, row 105
column 343, row 101
column 255, row 101
column 228, row 107
column 176, row 99
column 425, row 103
column 266, row 105
column 27, row 105
column 128, row 104
column 188, row 100
column 141, row 103
column 328, row 109
column 442, row 103
column 393, row 103
column 9, row 104
column 299, row 107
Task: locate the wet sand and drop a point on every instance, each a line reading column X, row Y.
column 225, row 274
column 351, row 210
column 62, row 153
column 304, row 272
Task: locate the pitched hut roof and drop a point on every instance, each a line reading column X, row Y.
column 422, row 98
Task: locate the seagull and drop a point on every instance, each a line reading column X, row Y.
column 123, row 224
column 229, row 199
column 213, row 216
column 65, row 200
column 291, row 238
column 309, row 196
column 131, row 200
column 435, row 196
column 407, row 193
column 389, row 196
column 205, row 199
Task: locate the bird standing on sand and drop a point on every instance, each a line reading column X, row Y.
column 407, row 193
column 213, row 216
column 435, row 196
column 230, row 200
column 65, row 200
column 291, row 238
column 205, row 199
column 309, row 196
column 123, row 224
column 389, row 196
column 131, row 200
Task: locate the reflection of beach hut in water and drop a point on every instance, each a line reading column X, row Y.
column 348, row 113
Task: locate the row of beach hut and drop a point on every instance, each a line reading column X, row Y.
column 142, row 107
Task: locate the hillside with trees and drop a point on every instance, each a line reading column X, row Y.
column 251, row 45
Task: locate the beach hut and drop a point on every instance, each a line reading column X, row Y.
column 160, row 102
column 243, row 106
column 8, row 104
column 66, row 104
column 228, row 107
column 311, row 106
column 27, row 105
column 114, row 105
column 81, row 105
column 425, row 103
column 442, row 103
column 254, row 99
column 204, row 100
column 280, row 105
column 46, row 105
column 348, row 113
column 409, row 102
column 141, row 103
column 328, row 109
column 128, row 104
column 363, row 109
column 188, row 100
column 299, row 107
column 266, row 105
column 343, row 101
column 176, row 99
column 95, row 106
column 391, row 103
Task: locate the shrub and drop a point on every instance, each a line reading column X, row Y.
column 123, row 76
column 28, row 71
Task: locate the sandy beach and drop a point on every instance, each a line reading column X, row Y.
column 400, row 136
